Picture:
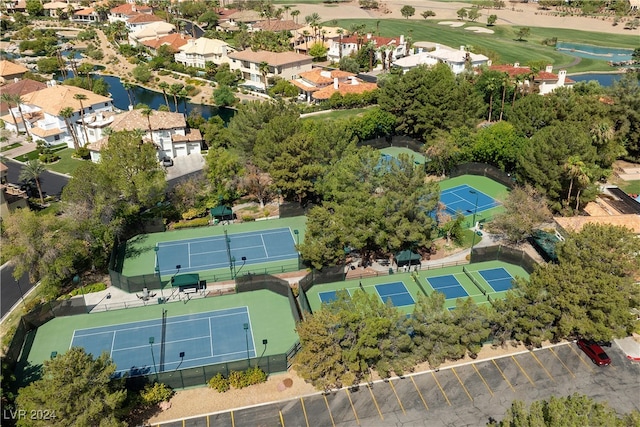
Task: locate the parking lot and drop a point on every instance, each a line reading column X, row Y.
column 468, row 394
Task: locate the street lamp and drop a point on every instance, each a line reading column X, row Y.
column 297, row 233
column 246, row 337
column 153, row 358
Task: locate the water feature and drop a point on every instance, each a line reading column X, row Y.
column 612, row 54
column 602, row 78
column 154, row 100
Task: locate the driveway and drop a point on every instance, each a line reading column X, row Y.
column 52, row 182
column 183, row 168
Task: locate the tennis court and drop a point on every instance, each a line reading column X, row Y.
column 330, row 296
column 498, row 278
column 462, row 198
column 167, row 344
column 397, row 292
column 208, row 253
column 448, row 285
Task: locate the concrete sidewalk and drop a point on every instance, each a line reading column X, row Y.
column 630, row 346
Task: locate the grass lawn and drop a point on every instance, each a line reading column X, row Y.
column 66, row 164
column 335, row 115
column 503, row 41
column 10, row 147
column 630, row 187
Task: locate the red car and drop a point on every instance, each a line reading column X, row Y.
column 595, row 352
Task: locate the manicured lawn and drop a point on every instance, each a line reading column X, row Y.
column 503, row 41
column 336, row 114
column 66, row 164
column 631, row 187
column 10, row 147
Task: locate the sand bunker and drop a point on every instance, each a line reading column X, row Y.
column 451, row 23
column 479, row 30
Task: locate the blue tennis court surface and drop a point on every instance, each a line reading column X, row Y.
column 330, row 296
column 448, row 285
column 209, row 253
column 202, row 339
column 498, row 278
column 397, row 292
column 461, row 199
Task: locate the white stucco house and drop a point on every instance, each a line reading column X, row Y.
column 457, row 59
column 41, row 114
column 166, row 130
column 286, row 65
column 394, row 46
column 543, row 82
column 197, row 52
column 152, row 31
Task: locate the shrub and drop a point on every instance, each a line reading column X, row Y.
column 156, row 393
column 48, row 158
column 238, row 379
column 83, row 153
column 219, row 383
column 193, row 213
column 248, row 218
column 255, row 375
column 94, row 287
column 198, row 222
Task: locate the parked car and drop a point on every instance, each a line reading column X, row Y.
column 167, row 161
column 594, row 352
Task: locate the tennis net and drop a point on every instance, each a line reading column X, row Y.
column 473, row 279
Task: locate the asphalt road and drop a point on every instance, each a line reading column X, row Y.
column 465, row 395
column 52, row 183
column 10, row 289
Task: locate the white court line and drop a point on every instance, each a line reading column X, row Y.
column 73, row 337
column 224, row 250
column 221, row 238
column 210, row 337
column 166, row 342
column 264, row 246
column 113, row 343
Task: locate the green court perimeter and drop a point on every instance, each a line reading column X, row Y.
column 481, row 183
column 369, row 284
column 270, row 316
column 396, row 151
column 137, row 256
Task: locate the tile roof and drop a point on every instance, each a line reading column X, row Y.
column 143, row 17
column 84, row 12
column 130, row 9
column 192, row 135
column 322, row 77
column 275, row 59
column 21, row 87
column 246, row 16
column 520, row 70
column 43, row 133
column 56, row 5
column 8, row 68
column 152, row 30
column 288, row 25
column 175, row 41
column 204, row 46
column 160, row 120
column 55, row 98
column 98, row 145
column 345, row 88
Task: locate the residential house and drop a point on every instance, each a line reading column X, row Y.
column 168, row 131
column 396, row 47
column 234, row 21
column 304, row 37
column 319, row 84
column 10, row 71
column 138, row 22
column 197, row 52
column 13, row 6
column 126, row 11
column 544, row 82
column 286, row 65
column 86, row 16
column 56, row 8
column 174, row 41
column 11, row 196
column 458, row 60
column 20, row 87
column 41, row 113
column 152, row 31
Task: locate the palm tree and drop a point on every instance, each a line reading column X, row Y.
column 146, row 111
column 574, row 167
column 174, row 89
column 66, row 113
column 286, row 9
column 82, row 97
column 491, row 87
column 504, row 83
column 17, row 99
column 294, row 15
column 306, row 35
column 32, row 171
column 8, row 98
column 128, row 87
column 263, row 67
column 183, row 95
column 340, row 32
column 164, row 86
column 517, row 80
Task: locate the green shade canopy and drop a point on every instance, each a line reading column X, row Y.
column 221, row 212
column 180, row 280
column 407, row 257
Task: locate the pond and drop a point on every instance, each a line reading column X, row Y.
column 595, row 52
column 603, row 78
column 154, row 100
